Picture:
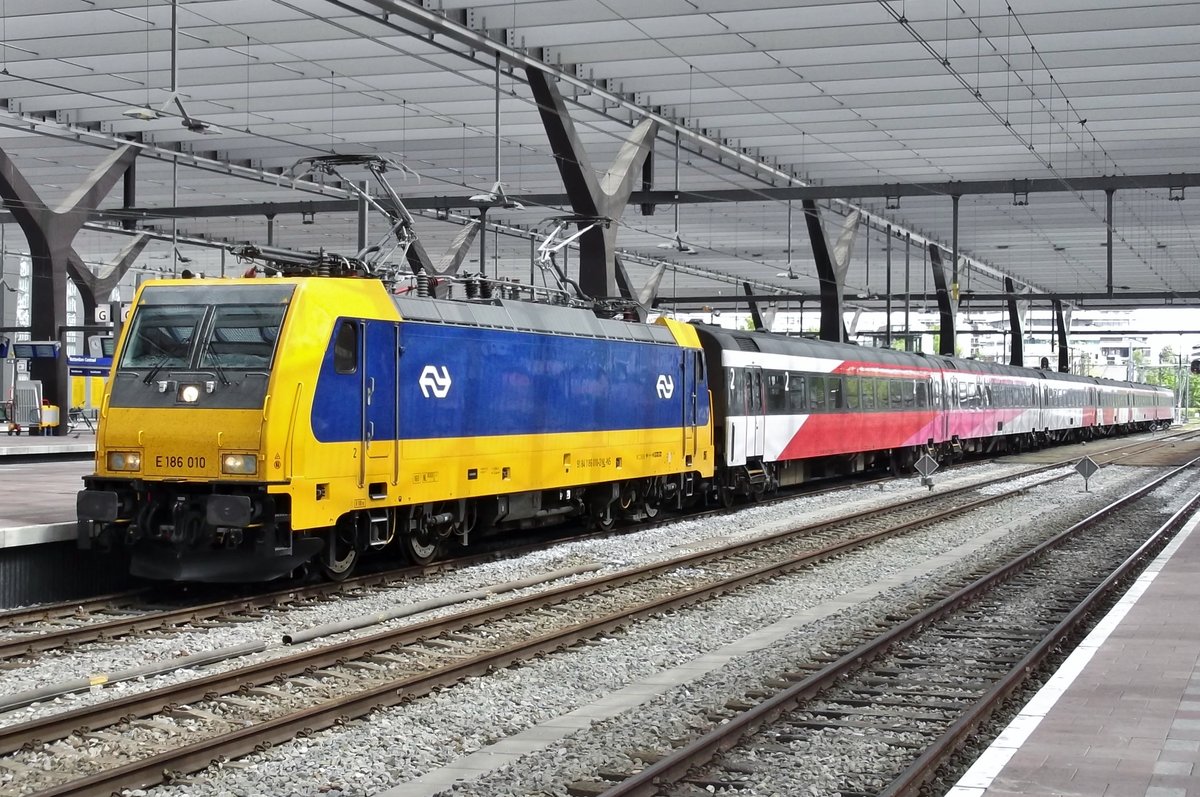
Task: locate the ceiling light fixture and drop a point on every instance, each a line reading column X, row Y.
column 496, row 198
column 144, row 114
column 678, row 245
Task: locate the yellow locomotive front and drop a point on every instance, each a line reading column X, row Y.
column 183, row 462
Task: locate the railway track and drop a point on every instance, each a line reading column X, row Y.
column 131, row 742
column 898, row 707
column 27, row 632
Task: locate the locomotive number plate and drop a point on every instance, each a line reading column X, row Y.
column 178, row 462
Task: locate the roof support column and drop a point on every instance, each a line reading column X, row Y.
column 907, row 290
column 599, row 201
column 832, row 326
column 946, row 337
column 887, row 335
column 1060, row 321
column 100, row 286
column 1014, row 325
column 129, row 194
column 761, row 316
column 50, row 233
column 1108, row 217
column 954, row 252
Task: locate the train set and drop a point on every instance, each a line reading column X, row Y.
column 252, row 427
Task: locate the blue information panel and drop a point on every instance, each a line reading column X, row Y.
column 89, row 366
column 36, row 349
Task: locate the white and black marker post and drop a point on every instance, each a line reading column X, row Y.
column 1086, row 468
column 926, row 466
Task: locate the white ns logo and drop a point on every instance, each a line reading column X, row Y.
column 666, row 386
column 434, row 381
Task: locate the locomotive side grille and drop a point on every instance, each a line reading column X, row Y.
column 746, row 344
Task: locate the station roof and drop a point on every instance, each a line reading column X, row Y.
column 890, row 106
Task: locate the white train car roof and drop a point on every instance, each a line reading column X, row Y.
column 772, row 343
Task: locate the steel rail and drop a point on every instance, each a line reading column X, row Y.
column 147, row 771
column 14, row 737
column 41, row 642
column 243, row 741
column 910, row 781
column 51, row 611
column 36, row 643
column 676, row 764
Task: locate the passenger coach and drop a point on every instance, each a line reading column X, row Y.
column 788, row 409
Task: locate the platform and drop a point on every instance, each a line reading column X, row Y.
column 22, row 445
column 1121, row 717
column 39, row 476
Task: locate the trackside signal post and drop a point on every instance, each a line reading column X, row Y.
column 1087, row 468
column 926, row 466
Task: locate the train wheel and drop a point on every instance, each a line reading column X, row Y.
column 340, row 556
column 418, row 549
column 650, row 509
column 603, row 521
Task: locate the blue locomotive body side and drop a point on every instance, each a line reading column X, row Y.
column 466, row 382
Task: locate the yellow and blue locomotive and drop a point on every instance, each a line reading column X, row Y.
column 251, row 427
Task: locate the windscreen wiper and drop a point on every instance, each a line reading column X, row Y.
column 158, row 366
column 207, row 350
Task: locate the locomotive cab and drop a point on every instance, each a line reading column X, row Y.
column 181, row 473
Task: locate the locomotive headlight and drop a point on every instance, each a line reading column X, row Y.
column 239, row 464
column 189, row 394
column 124, row 460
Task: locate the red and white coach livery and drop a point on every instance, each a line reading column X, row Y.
column 787, row 409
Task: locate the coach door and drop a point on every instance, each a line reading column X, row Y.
column 380, row 398
column 756, row 421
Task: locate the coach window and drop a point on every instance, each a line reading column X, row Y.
column 795, row 393
column 852, row 392
column 923, row 394
column 776, row 392
column 345, row 348
column 816, row 393
column 833, row 386
column 868, row 393
column 881, row 393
